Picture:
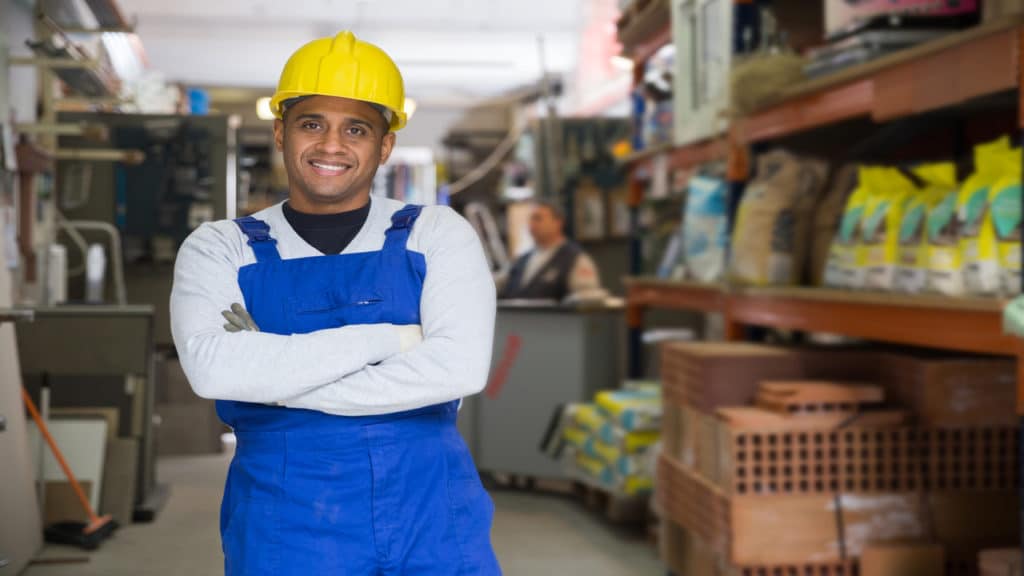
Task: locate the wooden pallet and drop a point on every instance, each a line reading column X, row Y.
column 615, row 508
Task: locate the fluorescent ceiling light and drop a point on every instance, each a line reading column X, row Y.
column 263, row 109
column 409, row 108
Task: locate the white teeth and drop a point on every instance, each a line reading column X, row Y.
column 331, row 167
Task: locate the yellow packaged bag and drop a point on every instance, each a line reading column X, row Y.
column 912, row 276
column 878, row 252
column 841, row 267
column 945, row 261
column 589, row 417
column 1005, row 205
column 977, row 235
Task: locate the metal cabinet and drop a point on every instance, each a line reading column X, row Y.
column 544, row 357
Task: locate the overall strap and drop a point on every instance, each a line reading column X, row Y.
column 401, row 226
column 258, row 233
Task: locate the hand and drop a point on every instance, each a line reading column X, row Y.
column 239, row 320
column 409, row 336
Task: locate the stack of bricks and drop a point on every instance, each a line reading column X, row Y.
column 791, row 462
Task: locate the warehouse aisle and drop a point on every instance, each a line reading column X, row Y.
column 533, row 535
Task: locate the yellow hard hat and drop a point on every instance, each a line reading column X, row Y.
column 346, row 67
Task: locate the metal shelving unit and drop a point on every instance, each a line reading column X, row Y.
column 938, row 75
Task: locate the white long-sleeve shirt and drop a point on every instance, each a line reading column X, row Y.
column 352, row 370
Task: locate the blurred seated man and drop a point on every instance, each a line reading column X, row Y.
column 556, row 269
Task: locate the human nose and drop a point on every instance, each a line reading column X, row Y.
column 332, row 142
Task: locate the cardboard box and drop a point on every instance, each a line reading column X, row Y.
column 62, row 505
column 117, row 497
column 192, row 428
column 953, row 392
column 110, row 414
column 903, row 560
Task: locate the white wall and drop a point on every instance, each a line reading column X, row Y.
column 428, row 127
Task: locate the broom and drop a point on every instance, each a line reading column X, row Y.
column 84, row 535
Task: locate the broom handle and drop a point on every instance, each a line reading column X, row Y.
column 57, row 454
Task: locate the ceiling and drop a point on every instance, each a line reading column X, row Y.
column 451, row 52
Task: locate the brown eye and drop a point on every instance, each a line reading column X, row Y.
column 356, row 131
column 311, row 125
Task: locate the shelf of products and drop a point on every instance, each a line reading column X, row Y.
column 913, row 81
column 932, row 76
column 961, row 324
column 967, row 83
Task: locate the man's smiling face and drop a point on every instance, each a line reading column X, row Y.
column 332, row 148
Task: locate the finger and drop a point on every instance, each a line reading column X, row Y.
column 249, row 322
column 242, row 313
column 232, row 328
column 235, row 320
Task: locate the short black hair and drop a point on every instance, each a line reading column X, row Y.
column 555, row 208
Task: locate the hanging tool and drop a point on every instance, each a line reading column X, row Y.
column 479, row 215
column 84, row 535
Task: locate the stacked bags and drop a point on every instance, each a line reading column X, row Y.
column 611, row 437
column 705, row 228
column 771, row 239
column 919, row 231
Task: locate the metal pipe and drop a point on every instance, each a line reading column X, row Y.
column 94, row 132
column 54, row 63
column 91, row 101
column 78, row 240
column 99, row 30
column 132, row 157
column 115, row 251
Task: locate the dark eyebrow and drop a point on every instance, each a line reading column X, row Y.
column 309, row 116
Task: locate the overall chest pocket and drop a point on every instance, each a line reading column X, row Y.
column 335, row 308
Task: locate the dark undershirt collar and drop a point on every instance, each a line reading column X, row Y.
column 328, row 233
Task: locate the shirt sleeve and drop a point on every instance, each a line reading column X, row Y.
column 254, row 366
column 457, row 310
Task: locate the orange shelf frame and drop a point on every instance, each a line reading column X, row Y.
column 965, row 325
column 935, row 75
column 972, row 325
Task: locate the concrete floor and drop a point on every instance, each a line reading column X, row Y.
column 533, row 535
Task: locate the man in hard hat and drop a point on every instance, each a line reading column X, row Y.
column 355, row 325
column 556, row 269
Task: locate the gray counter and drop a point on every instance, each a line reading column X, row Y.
column 564, row 354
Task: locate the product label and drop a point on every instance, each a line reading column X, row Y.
column 849, row 230
column 912, row 227
column 973, row 213
column 875, row 225
column 1006, row 213
column 941, row 222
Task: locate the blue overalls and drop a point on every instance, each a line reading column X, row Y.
column 310, row 493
